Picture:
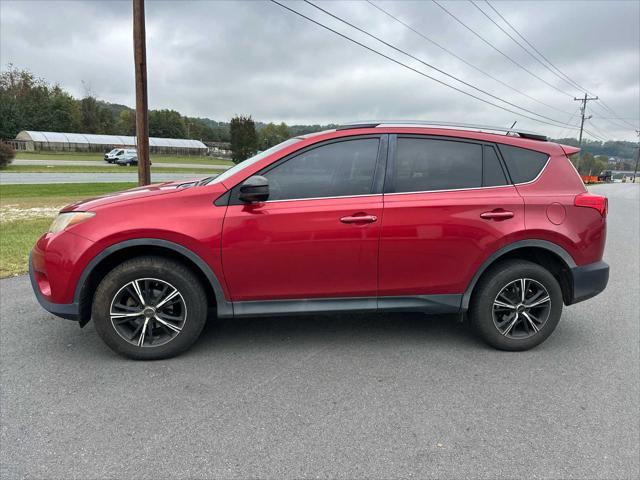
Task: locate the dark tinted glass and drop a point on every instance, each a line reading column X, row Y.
column 333, row 170
column 425, row 164
column 523, row 165
column 492, row 173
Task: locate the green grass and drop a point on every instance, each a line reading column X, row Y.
column 195, row 159
column 17, row 236
column 98, row 169
column 16, row 193
column 17, row 239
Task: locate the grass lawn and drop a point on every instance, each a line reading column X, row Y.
column 26, row 211
column 196, row 159
column 107, row 169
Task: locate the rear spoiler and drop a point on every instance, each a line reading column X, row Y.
column 568, row 150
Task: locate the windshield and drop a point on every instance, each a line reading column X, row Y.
column 250, row 161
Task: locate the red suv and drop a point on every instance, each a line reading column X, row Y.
column 371, row 217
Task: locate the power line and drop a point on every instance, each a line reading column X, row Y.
column 614, row 120
column 520, row 44
column 562, row 75
column 500, row 51
column 562, row 132
column 407, row 66
column 583, row 109
column 463, row 60
column 566, row 77
column 428, row 64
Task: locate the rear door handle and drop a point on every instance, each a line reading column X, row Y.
column 496, row 215
column 359, row 219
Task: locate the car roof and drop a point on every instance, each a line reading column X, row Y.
column 515, row 137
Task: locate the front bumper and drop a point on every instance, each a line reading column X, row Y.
column 70, row 311
column 588, row 281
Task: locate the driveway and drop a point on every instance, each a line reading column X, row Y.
column 349, row 396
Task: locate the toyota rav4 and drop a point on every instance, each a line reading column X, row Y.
column 372, row 217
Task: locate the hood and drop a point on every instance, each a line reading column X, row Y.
column 126, row 195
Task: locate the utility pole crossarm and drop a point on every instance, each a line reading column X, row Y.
column 583, row 109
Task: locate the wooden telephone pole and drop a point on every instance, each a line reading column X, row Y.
column 142, row 105
column 583, row 110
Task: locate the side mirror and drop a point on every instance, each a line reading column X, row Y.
column 254, row 189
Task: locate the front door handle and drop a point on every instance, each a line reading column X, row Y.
column 497, row 215
column 359, row 219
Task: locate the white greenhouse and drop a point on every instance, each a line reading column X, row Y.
column 87, row 142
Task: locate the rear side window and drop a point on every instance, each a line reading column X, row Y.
column 428, row 164
column 523, row 165
column 492, row 173
column 335, row 170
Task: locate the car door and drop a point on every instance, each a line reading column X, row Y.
column 317, row 235
column 448, row 205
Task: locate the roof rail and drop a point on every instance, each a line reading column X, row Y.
column 453, row 125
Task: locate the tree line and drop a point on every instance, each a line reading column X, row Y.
column 30, row 103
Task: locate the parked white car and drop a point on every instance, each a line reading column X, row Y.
column 122, row 156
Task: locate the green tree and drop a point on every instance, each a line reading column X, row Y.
column 94, row 118
column 29, row 103
column 126, row 123
column 272, row 134
column 244, row 140
column 166, row 124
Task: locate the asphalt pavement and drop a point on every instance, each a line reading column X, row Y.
column 346, row 396
column 102, row 163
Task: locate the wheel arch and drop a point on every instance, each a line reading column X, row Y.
column 547, row 254
column 102, row 263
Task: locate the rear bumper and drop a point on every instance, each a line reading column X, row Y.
column 588, row 281
column 70, row 311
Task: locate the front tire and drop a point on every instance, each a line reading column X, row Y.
column 149, row 308
column 516, row 305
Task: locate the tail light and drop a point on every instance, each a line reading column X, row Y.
column 590, row 200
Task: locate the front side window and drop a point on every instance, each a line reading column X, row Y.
column 337, row 169
column 250, row 161
column 427, row 164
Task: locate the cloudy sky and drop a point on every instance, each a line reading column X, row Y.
column 215, row 59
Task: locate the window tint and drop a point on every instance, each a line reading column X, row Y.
column 425, row 164
column 492, row 173
column 523, row 165
column 333, row 170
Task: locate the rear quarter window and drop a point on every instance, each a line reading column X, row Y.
column 523, row 165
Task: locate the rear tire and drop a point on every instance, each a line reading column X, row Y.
column 504, row 317
column 149, row 308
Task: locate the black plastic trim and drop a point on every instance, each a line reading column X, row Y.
column 224, row 307
column 552, row 247
column 588, row 281
column 433, row 304
column 357, row 125
column 70, row 311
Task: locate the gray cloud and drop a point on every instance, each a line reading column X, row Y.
column 215, row 59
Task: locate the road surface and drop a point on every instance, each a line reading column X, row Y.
column 345, row 396
column 102, row 163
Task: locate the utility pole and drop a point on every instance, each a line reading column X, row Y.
column 142, row 105
column 635, row 170
column 583, row 110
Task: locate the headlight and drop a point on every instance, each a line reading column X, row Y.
column 67, row 219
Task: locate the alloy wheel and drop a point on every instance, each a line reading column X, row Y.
column 148, row 312
column 521, row 308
